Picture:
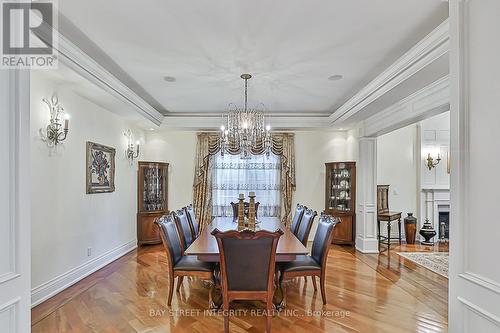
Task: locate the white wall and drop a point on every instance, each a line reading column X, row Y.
column 312, row 150
column 178, row 148
column 65, row 220
column 435, row 138
column 474, row 277
column 397, row 166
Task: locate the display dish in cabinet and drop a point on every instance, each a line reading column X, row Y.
column 340, row 199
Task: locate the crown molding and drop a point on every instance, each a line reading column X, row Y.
column 430, row 48
column 203, row 122
column 427, row 102
column 72, row 56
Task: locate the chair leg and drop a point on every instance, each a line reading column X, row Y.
column 322, row 285
column 399, row 227
column 314, row 283
column 170, row 289
column 269, row 315
column 378, row 228
column 388, row 235
column 179, row 282
column 226, row 320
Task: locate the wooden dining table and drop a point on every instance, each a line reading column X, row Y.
column 206, row 249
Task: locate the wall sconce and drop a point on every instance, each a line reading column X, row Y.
column 55, row 133
column 430, row 161
column 132, row 151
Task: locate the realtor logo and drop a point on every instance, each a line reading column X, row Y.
column 27, row 37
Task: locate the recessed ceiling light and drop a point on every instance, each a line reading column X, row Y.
column 151, row 129
column 169, row 78
column 335, row 77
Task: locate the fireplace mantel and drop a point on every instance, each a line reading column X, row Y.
column 433, row 201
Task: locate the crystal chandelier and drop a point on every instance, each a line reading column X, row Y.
column 244, row 129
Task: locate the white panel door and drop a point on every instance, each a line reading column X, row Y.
column 475, row 179
column 15, row 236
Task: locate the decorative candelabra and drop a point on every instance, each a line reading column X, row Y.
column 55, row 133
column 241, row 211
column 132, row 151
column 251, row 211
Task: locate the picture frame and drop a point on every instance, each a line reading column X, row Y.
column 100, row 168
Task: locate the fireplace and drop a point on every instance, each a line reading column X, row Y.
column 435, row 206
column 444, row 225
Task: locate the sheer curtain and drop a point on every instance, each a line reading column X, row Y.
column 232, row 175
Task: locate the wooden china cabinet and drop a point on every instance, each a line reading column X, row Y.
column 340, row 199
column 152, row 194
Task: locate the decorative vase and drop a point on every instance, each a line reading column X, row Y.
column 427, row 232
column 410, row 228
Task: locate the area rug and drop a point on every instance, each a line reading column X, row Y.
column 434, row 261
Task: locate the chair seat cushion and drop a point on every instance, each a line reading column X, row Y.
column 191, row 263
column 302, row 263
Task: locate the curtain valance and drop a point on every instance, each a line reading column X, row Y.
column 208, row 144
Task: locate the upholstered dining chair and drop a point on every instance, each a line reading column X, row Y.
column 178, row 264
column 297, row 217
column 305, row 226
column 192, row 218
column 315, row 264
column 234, row 205
column 245, row 277
column 185, row 228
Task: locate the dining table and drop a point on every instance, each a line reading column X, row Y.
column 206, row 249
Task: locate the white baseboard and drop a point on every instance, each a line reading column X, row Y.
column 367, row 245
column 65, row 280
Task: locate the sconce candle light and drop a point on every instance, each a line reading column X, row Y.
column 132, row 151
column 430, row 161
column 55, row 132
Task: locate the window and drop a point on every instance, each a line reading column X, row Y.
column 233, row 175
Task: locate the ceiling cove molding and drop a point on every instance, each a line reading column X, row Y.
column 429, row 101
column 72, row 56
column 279, row 123
column 430, row 48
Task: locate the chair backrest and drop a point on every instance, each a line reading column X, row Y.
column 241, row 272
column 323, row 238
column 184, row 227
column 247, row 204
column 192, row 218
column 382, row 198
column 305, row 225
column 170, row 238
column 297, row 217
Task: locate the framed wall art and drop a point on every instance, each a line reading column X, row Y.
column 100, row 168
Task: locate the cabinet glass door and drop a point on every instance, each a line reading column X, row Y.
column 340, row 189
column 153, row 198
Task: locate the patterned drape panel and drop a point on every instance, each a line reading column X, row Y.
column 283, row 144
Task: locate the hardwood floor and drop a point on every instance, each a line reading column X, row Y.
column 365, row 292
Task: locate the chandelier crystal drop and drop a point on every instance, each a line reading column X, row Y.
column 244, row 129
